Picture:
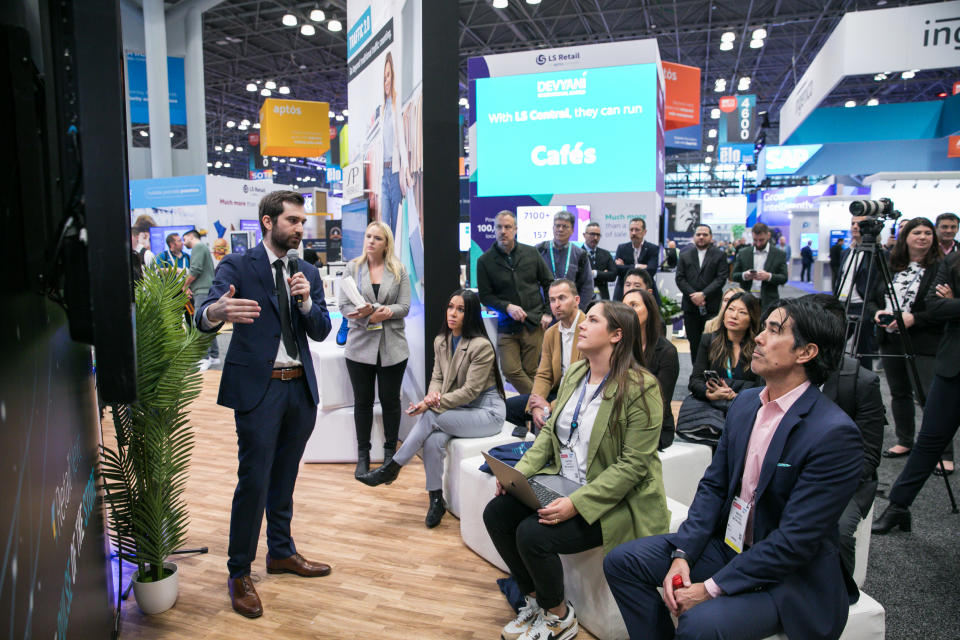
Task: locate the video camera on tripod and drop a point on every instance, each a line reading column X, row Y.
column 877, row 212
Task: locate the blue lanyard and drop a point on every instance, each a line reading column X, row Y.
column 553, row 262
column 729, row 370
column 575, row 422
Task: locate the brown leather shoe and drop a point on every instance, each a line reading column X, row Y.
column 297, row 564
column 244, row 597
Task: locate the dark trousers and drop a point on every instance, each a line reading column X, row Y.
column 941, row 417
column 856, row 510
column 271, row 438
column 805, row 269
column 362, row 377
column 517, row 408
column 693, row 323
column 531, row 549
column 902, row 394
column 635, row 569
column 868, row 341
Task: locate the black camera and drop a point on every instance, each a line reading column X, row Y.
column 877, row 211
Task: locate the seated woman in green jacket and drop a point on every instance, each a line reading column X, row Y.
column 603, row 435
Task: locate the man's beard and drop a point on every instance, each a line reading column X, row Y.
column 285, row 240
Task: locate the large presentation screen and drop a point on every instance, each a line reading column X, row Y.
column 580, row 131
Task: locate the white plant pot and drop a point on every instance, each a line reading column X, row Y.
column 157, row 597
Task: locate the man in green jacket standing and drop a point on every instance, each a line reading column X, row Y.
column 198, row 282
column 512, row 279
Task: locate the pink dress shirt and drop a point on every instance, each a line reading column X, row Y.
column 764, row 427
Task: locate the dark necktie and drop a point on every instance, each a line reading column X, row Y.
column 286, row 327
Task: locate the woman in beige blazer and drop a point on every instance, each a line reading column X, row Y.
column 376, row 350
column 465, row 399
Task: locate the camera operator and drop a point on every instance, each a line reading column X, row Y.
column 913, row 263
column 852, row 291
column 941, row 415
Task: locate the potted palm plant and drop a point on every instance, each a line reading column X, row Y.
column 145, row 474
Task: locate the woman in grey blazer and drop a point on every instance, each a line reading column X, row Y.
column 465, row 399
column 376, row 349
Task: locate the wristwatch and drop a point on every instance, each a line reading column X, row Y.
column 678, row 553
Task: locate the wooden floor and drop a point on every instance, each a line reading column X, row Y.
column 392, row 577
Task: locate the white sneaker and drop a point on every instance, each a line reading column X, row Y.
column 204, row 364
column 213, row 361
column 552, row 627
column 528, row 615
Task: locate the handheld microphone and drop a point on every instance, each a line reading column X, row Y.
column 293, row 266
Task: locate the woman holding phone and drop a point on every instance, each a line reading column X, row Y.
column 465, row 400
column 376, row 350
column 913, row 262
column 602, row 435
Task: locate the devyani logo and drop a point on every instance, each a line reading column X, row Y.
column 562, row 87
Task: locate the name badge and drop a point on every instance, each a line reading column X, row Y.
column 569, row 464
column 737, row 524
column 374, row 327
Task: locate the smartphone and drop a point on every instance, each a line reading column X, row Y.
column 752, row 272
column 710, row 374
column 886, row 318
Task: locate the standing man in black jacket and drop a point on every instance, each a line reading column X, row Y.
column 857, row 391
column 601, row 261
column 566, row 260
column 511, row 278
column 636, row 254
column 764, row 263
column 701, row 272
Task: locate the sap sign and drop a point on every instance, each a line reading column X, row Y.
column 584, row 131
column 788, row 159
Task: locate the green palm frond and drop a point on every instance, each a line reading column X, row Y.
column 145, row 476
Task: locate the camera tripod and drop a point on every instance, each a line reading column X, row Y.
column 867, row 250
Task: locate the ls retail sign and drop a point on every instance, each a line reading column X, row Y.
column 925, row 36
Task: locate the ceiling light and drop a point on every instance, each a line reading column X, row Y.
column 238, row 149
column 265, row 93
column 289, row 20
column 756, row 44
column 880, row 77
column 209, row 164
column 714, row 113
column 728, row 36
column 283, row 159
column 231, row 124
column 340, row 118
column 720, row 85
column 270, row 84
column 284, row 90
column 251, row 86
column 228, row 148
column 464, row 102
column 942, row 94
column 307, row 30
column 850, row 103
column 274, row 158
column 317, row 15
column 226, row 164
column 218, row 164
column 256, row 125
column 245, row 122
column 759, row 34
column 143, row 132
column 330, row 113
column 533, row 1
column 217, row 148
column 726, row 46
column 906, row 75
column 710, row 148
column 872, row 102
column 500, row 4
column 346, row 113
column 171, row 134
column 334, row 25
column 712, row 133
column 708, row 160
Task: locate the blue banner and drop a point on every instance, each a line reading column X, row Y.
column 137, row 90
column 359, row 33
column 168, row 192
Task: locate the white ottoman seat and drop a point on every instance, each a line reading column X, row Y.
column 684, row 463
column 866, row 621
column 334, row 438
column 458, row 450
column 333, row 381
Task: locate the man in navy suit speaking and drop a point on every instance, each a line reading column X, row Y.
column 758, row 552
column 274, row 302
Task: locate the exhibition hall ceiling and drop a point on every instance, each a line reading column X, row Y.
column 246, row 42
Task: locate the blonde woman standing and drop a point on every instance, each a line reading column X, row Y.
column 376, row 349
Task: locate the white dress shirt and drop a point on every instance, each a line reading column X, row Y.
column 566, row 345
column 847, row 288
column 701, row 254
column 759, row 262
column 283, row 358
column 581, row 438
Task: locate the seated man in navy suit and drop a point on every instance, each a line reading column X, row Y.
column 757, row 554
column 274, row 303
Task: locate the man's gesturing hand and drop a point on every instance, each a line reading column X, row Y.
column 235, row 310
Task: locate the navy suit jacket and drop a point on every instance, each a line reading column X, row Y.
column 649, row 256
column 249, row 361
column 808, row 476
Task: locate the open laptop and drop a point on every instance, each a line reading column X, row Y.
column 536, row 492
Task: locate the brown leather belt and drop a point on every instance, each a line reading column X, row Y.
column 287, row 373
